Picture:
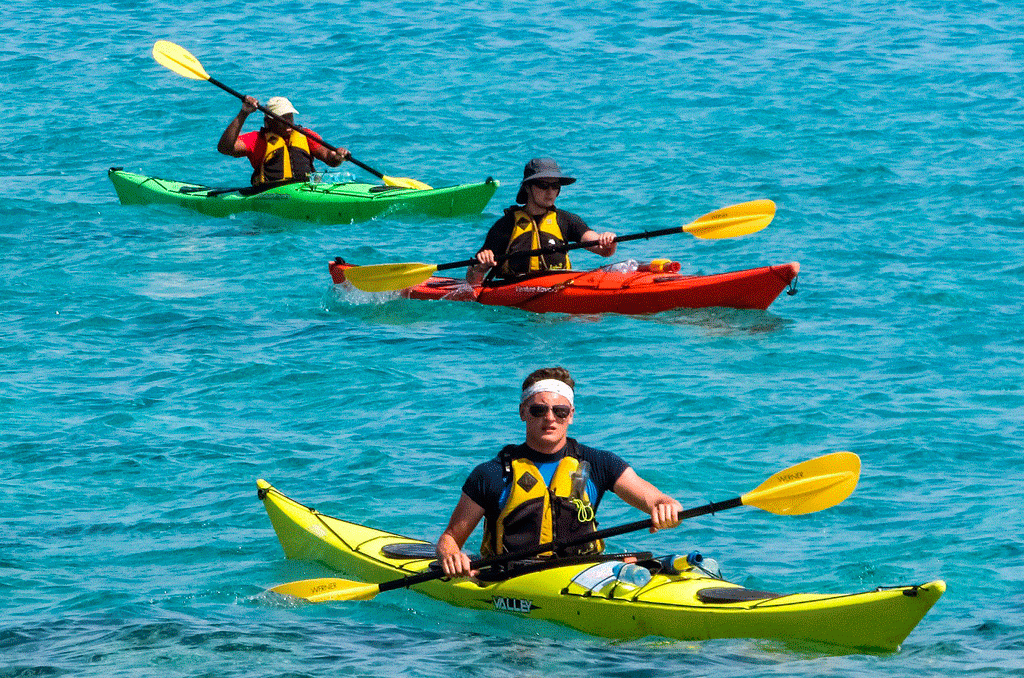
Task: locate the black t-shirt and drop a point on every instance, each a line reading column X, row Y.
column 485, row 484
column 573, row 228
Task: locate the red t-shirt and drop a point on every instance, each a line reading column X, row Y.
column 256, row 146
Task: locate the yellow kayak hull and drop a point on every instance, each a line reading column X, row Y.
column 686, row 606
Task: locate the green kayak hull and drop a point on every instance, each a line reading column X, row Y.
column 328, row 203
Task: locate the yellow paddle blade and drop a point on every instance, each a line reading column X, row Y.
column 406, row 182
column 388, row 277
column 179, row 60
column 327, row 589
column 731, row 222
column 810, row 486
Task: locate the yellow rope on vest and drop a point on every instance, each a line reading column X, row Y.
column 584, row 511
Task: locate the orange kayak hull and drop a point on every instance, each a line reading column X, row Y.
column 609, row 291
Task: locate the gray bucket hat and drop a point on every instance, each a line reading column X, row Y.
column 541, row 168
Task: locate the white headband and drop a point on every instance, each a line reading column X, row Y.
column 548, row 386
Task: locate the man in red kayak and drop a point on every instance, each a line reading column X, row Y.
column 547, row 488
column 534, row 222
column 277, row 152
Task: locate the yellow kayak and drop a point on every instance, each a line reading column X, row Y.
column 594, row 595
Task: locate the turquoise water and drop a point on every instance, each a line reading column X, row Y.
column 155, row 362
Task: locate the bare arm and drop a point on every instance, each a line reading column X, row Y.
column 229, row 143
column 640, row 494
column 465, row 517
column 606, row 244
column 332, row 158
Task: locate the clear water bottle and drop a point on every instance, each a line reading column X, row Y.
column 628, row 266
column 578, row 481
column 631, row 575
column 707, row 565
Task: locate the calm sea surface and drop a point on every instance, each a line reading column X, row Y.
column 155, row 362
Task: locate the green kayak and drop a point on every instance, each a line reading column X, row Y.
column 329, row 203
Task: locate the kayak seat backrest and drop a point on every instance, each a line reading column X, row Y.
column 733, row 595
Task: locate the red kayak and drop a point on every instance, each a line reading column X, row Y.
column 607, row 290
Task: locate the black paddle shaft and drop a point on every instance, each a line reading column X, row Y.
column 606, row 533
column 297, row 128
column 564, row 248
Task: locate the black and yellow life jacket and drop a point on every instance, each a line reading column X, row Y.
column 285, row 158
column 535, row 514
column 529, row 235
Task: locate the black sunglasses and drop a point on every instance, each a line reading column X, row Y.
column 546, row 185
column 560, row 411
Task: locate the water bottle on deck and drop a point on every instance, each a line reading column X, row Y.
column 708, row 565
column 660, row 266
column 631, row 575
column 673, row 564
column 628, row 266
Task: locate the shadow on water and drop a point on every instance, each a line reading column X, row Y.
column 722, row 322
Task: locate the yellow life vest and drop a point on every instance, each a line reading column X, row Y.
column 536, row 514
column 285, row 158
column 529, row 235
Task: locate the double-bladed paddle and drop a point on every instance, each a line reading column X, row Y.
column 810, row 486
column 728, row 222
column 181, row 61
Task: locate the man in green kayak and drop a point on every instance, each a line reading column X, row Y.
column 277, row 152
column 546, row 489
column 534, row 222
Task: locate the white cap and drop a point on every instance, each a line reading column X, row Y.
column 280, row 106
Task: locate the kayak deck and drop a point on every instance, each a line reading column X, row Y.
column 322, row 202
column 689, row 605
column 605, row 290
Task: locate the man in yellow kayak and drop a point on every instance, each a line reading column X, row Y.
column 277, row 152
column 546, row 489
column 534, row 222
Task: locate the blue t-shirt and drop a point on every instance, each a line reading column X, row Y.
column 487, row 488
